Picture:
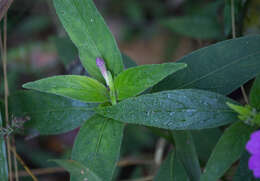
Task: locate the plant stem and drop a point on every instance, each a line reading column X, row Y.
column 234, row 36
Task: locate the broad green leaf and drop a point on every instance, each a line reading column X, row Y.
column 228, row 149
column 49, row 114
column 243, row 173
column 88, row 31
column 186, row 151
column 222, row 67
column 134, row 81
column 194, row 26
column 77, row 87
column 80, row 172
column 205, row 141
column 255, row 94
column 3, row 156
column 185, row 109
column 171, row 169
column 97, row 145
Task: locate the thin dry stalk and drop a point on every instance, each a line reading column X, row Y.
column 3, row 48
column 234, row 36
column 23, row 164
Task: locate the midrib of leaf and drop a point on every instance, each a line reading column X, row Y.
column 217, row 70
column 100, row 138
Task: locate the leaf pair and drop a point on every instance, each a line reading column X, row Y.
column 128, row 83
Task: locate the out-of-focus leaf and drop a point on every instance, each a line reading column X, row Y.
column 3, row 155
column 66, row 50
column 134, row 81
column 186, row 109
column 201, row 27
column 171, row 169
column 88, row 31
column 222, row 67
column 97, row 145
column 243, row 173
column 77, row 87
column 255, row 94
column 238, row 12
column 205, row 141
column 186, row 151
column 80, row 172
column 49, row 114
column 228, row 149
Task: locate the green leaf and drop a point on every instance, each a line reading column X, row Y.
column 201, row 27
column 186, row 151
column 227, row 151
column 243, row 173
column 174, row 110
column 171, row 170
column 205, row 141
column 3, row 156
column 97, row 145
column 222, row 67
column 255, row 94
column 134, row 81
column 77, row 87
column 49, row 114
column 88, row 31
column 81, row 172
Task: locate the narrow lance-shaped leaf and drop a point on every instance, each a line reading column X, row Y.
column 97, row 145
column 49, row 114
column 222, row 67
column 255, row 93
column 186, row 151
column 3, row 155
column 174, row 110
column 81, row 172
column 88, row 31
column 227, row 151
column 77, row 87
column 134, row 81
column 171, row 169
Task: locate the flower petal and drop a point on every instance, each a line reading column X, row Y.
column 253, row 145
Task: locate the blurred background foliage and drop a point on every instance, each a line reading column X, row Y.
column 147, row 31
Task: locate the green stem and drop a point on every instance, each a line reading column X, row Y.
column 112, row 90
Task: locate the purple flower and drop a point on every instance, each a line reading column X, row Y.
column 102, row 67
column 253, row 147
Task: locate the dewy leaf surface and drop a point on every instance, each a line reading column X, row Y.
column 88, row 31
column 255, row 93
column 77, row 87
column 228, row 149
column 3, row 155
column 97, row 145
column 171, row 169
column 134, row 81
column 185, row 109
column 49, row 114
column 222, row 67
column 80, row 172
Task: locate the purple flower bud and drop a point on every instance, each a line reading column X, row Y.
column 253, row 147
column 102, row 67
